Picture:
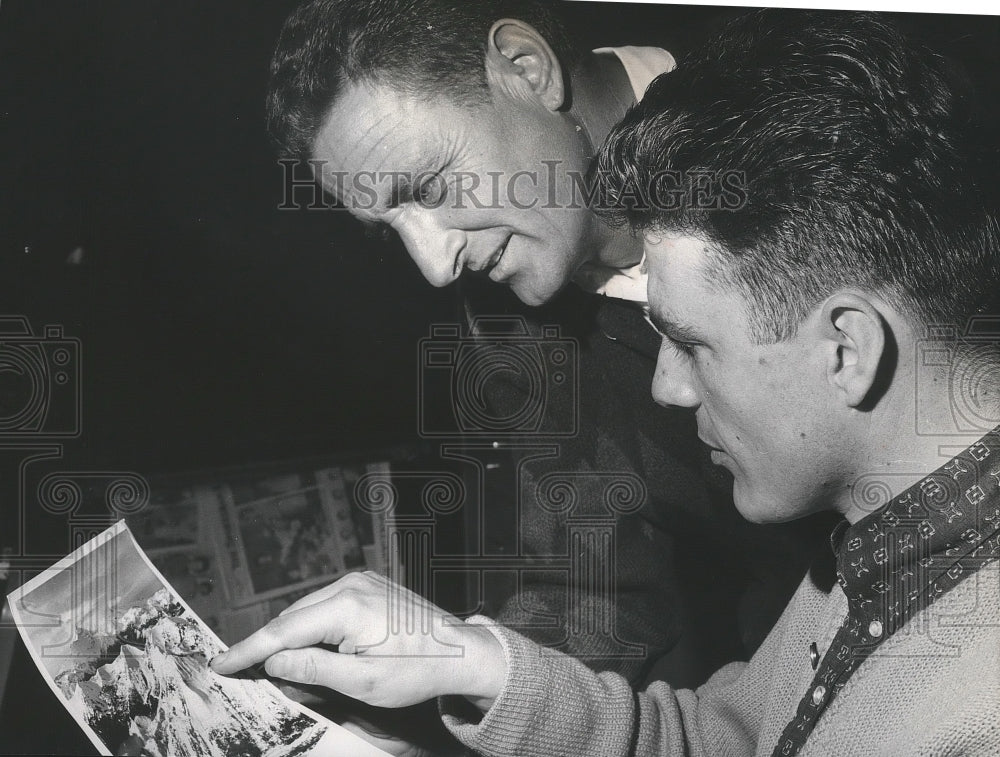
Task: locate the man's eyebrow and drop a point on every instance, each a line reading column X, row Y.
column 673, row 329
column 400, row 189
column 333, row 189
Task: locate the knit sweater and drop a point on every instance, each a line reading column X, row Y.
column 931, row 689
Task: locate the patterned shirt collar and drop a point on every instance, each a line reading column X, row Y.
column 924, row 530
column 899, row 560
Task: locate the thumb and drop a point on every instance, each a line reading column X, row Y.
column 301, row 696
column 340, row 672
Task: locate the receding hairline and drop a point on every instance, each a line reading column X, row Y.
column 374, row 87
column 382, row 81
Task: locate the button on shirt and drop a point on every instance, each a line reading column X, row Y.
column 899, row 560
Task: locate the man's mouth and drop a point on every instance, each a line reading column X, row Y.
column 715, row 452
column 493, row 268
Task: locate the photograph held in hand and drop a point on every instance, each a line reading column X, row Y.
column 129, row 660
column 392, row 647
column 505, row 378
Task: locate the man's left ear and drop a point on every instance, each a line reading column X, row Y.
column 521, row 63
column 860, row 333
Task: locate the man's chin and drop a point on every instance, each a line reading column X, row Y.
column 752, row 508
column 532, row 296
column 754, row 514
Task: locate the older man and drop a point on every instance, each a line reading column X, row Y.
column 468, row 129
column 833, row 334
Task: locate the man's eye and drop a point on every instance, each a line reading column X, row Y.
column 431, row 192
column 685, row 348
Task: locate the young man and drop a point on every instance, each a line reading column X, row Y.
column 832, row 334
column 468, row 130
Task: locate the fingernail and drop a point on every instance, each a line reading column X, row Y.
column 277, row 665
column 219, row 658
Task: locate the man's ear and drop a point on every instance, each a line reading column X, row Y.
column 521, row 63
column 860, row 333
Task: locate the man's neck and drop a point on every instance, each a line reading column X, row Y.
column 902, row 452
column 601, row 95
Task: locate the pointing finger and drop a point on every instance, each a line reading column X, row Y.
column 317, row 624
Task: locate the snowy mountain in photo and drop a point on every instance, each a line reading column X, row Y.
column 150, row 689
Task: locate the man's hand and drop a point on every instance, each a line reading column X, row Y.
column 375, row 641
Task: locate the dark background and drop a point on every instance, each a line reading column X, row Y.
column 216, row 329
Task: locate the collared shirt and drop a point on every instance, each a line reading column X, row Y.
column 620, row 283
column 642, row 65
column 900, row 559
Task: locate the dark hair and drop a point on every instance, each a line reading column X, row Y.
column 424, row 47
column 854, row 150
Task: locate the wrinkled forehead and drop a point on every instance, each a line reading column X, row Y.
column 376, row 129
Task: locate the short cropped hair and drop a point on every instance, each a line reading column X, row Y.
column 428, row 48
column 856, row 158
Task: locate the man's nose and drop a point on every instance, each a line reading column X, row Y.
column 673, row 383
column 436, row 249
